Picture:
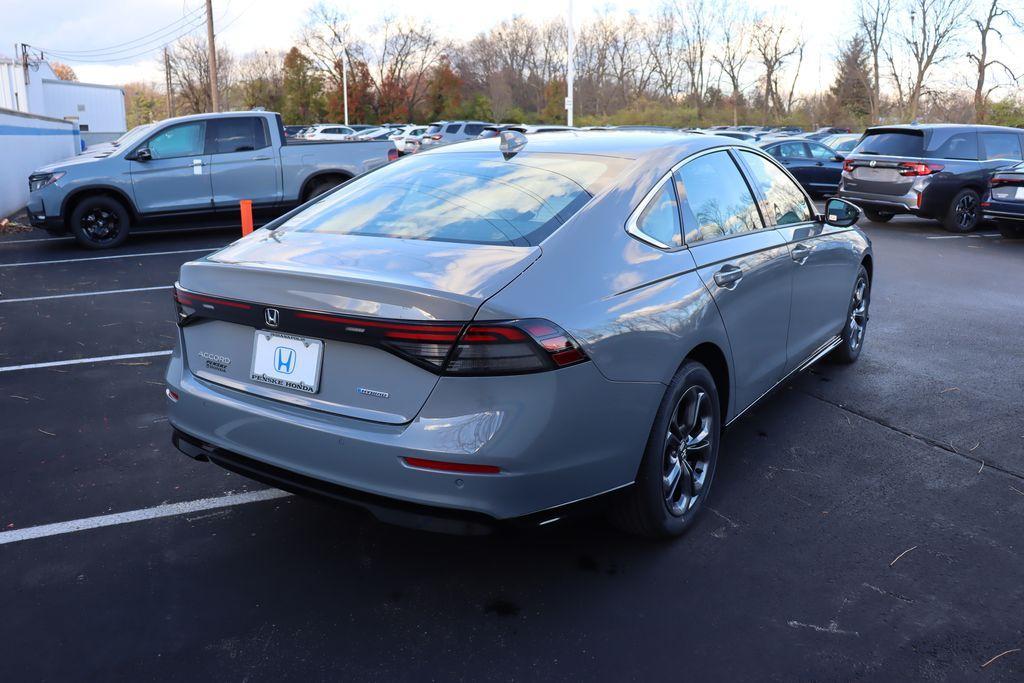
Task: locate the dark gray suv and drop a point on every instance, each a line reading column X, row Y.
column 935, row 171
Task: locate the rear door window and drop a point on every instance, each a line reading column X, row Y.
column 241, row 134
column 1001, row 146
column 791, row 150
column 893, row 144
column 786, row 202
column 473, row 128
column 715, row 197
column 453, row 128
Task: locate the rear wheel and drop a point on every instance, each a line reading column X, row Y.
column 679, row 461
column 100, row 222
column 963, row 213
column 877, row 216
column 1011, row 231
column 856, row 321
column 321, row 186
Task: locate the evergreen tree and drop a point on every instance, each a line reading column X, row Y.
column 850, row 94
column 303, row 90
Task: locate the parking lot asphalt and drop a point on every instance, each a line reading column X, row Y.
column 866, row 522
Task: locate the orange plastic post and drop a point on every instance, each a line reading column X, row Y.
column 246, row 206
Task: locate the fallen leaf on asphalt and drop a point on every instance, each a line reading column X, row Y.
column 1001, row 654
column 901, row 555
column 949, row 389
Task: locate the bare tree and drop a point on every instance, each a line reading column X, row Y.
column 190, row 74
column 773, row 46
column 327, row 40
column 997, row 11
column 697, row 17
column 735, row 49
column 873, row 22
column 932, row 28
column 401, row 53
column 662, row 45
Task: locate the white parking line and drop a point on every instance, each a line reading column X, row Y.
column 105, row 258
column 168, row 510
column 38, row 239
column 143, row 233
column 79, row 361
column 71, row 296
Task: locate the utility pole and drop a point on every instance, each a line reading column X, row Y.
column 167, row 81
column 212, row 56
column 570, row 71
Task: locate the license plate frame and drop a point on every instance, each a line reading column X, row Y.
column 305, row 352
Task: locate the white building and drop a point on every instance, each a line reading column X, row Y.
column 97, row 109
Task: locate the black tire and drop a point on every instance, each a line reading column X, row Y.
column 652, row 507
column 877, row 216
column 856, row 324
column 1011, row 231
column 964, row 212
column 100, row 222
column 321, row 186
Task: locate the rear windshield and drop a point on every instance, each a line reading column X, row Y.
column 892, row 144
column 469, row 198
column 435, row 128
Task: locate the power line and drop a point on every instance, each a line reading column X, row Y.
column 188, row 17
column 138, row 50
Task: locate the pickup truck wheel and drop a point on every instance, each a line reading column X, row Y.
column 964, row 212
column 321, row 186
column 100, row 222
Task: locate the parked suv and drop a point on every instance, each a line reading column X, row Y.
column 447, row 132
column 934, row 171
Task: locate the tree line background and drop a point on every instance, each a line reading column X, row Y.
column 689, row 63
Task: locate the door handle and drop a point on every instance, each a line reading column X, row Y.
column 261, row 158
column 728, row 277
column 197, row 162
column 801, row 252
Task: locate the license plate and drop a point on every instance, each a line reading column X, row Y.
column 287, row 361
column 885, row 175
column 1008, row 193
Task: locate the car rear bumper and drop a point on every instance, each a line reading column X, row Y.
column 900, row 204
column 1003, row 211
column 558, row 438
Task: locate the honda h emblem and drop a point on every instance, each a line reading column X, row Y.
column 284, row 360
column 872, row 164
column 272, row 316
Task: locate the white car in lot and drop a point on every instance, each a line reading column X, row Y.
column 407, row 138
column 328, row 131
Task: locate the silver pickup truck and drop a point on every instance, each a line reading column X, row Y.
column 201, row 166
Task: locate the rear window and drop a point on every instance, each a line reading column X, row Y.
column 469, row 198
column 893, row 144
column 952, row 145
column 474, row 128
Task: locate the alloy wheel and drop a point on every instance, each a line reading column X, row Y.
column 966, row 211
column 688, row 451
column 100, row 225
column 858, row 314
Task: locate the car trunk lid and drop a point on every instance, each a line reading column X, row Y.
column 336, row 292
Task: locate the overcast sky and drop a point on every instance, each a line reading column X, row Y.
column 246, row 25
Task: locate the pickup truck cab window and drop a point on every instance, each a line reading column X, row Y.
column 716, row 200
column 182, row 140
column 785, row 201
column 236, row 134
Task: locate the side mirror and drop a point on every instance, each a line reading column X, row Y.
column 839, row 157
column 143, row 154
column 840, row 213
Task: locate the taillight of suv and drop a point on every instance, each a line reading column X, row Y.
column 1004, row 179
column 918, row 168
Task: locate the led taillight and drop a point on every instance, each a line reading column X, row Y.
column 848, row 166
column 1004, row 180
column 918, row 168
column 393, row 154
column 513, row 348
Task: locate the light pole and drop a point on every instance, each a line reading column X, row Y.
column 344, row 85
column 570, row 70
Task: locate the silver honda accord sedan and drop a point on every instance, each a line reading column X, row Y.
column 505, row 330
